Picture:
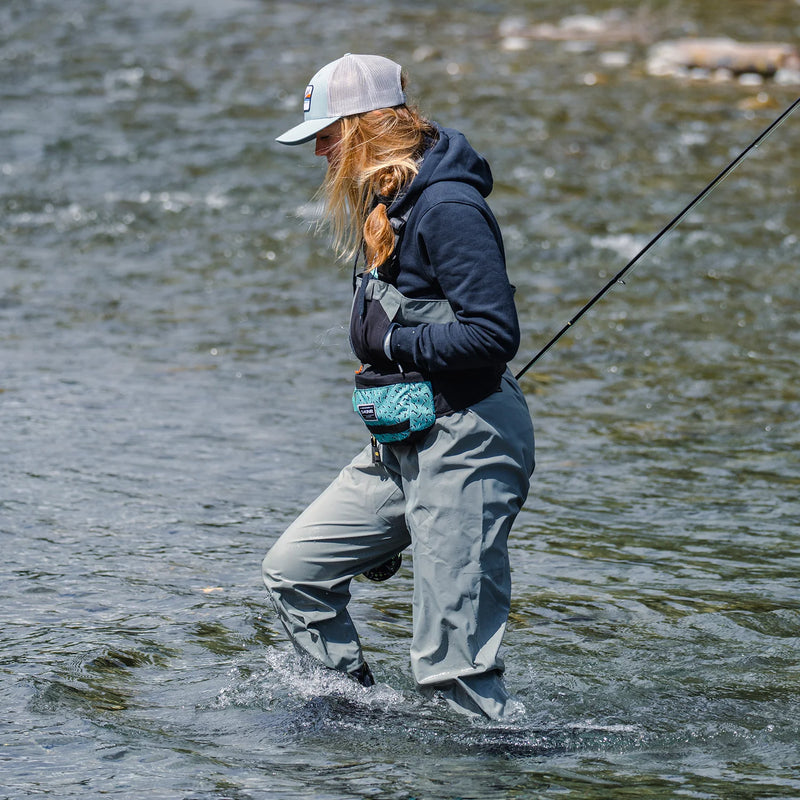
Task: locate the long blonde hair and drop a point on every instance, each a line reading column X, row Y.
column 377, row 156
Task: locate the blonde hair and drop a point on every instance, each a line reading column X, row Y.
column 377, row 156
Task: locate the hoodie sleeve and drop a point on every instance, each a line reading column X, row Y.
column 461, row 248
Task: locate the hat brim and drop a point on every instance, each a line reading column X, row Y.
column 305, row 131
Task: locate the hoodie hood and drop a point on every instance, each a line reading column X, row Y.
column 451, row 158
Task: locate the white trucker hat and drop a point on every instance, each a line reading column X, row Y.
column 352, row 84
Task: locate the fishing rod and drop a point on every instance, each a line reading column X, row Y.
column 664, row 231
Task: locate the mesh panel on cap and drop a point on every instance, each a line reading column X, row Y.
column 363, row 83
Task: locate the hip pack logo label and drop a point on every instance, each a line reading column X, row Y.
column 367, row 411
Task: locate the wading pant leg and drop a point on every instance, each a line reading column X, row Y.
column 356, row 524
column 470, row 479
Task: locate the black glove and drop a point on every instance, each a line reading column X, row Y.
column 370, row 328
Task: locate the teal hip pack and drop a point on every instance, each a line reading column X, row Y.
column 395, row 407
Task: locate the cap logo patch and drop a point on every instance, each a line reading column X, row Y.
column 307, row 98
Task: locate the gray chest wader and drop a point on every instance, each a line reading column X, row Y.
column 408, row 311
column 397, row 406
column 451, row 497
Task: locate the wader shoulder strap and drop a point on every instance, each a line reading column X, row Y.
column 387, row 271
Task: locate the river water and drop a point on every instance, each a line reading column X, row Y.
column 174, row 388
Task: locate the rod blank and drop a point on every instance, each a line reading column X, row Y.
column 664, row 231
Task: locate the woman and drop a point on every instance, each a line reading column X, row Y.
column 433, row 310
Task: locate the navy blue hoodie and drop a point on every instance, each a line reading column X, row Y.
column 452, row 248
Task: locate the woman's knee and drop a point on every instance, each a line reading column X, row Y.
column 296, row 558
column 278, row 567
